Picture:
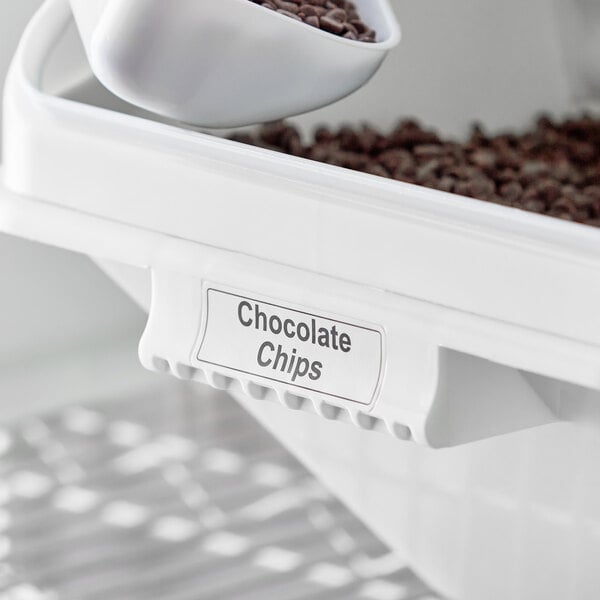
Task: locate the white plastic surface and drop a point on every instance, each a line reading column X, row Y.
column 490, row 316
column 456, row 286
column 225, row 63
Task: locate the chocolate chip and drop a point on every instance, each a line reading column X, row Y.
column 511, row 191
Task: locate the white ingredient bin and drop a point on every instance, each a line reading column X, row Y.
column 467, row 320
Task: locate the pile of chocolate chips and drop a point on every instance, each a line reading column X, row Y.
column 339, row 17
column 553, row 169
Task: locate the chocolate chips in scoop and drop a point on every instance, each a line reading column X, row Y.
column 339, row 17
column 552, row 169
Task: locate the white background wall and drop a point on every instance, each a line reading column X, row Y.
column 51, row 300
column 499, row 62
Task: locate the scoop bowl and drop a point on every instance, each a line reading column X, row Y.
column 226, row 63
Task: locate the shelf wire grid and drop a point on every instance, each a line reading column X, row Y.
column 171, row 496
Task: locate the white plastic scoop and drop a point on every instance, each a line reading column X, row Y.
column 226, row 63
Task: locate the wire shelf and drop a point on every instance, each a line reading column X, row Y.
column 167, row 496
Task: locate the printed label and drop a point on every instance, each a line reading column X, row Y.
column 296, row 347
